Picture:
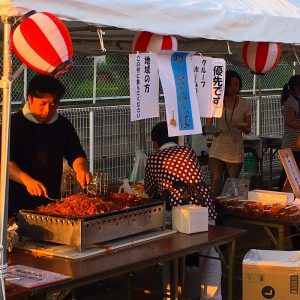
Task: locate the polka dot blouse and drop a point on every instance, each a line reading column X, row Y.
column 177, row 164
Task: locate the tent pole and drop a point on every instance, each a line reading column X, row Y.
column 6, row 110
column 258, row 107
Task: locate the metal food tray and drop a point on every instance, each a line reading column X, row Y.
column 90, row 230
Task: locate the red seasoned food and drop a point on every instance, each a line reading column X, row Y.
column 80, row 205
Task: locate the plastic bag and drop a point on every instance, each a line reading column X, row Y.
column 138, row 171
column 236, row 188
column 125, row 187
column 12, row 236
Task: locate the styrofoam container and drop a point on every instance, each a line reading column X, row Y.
column 190, row 218
column 270, row 197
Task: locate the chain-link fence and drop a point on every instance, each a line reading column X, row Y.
column 93, row 79
column 110, row 138
column 108, row 135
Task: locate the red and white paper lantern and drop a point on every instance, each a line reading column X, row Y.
column 149, row 42
column 261, row 57
column 43, row 43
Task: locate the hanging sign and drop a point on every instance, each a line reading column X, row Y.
column 177, row 79
column 209, row 75
column 291, row 169
column 144, row 86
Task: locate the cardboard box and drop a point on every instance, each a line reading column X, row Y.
column 271, row 274
column 190, row 218
column 270, row 197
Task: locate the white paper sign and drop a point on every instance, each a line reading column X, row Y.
column 209, row 74
column 144, row 86
column 291, row 169
column 177, row 79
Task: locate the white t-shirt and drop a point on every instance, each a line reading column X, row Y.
column 228, row 146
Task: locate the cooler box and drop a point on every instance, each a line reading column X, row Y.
column 271, row 274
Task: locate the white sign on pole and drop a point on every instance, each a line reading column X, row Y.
column 177, row 79
column 209, row 74
column 291, row 169
column 144, row 86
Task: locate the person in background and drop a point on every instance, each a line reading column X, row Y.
column 40, row 139
column 290, row 101
column 173, row 174
column 226, row 154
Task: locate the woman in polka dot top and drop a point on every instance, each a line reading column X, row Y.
column 173, row 173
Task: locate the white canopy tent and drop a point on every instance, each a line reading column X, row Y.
column 240, row 20
column 202, row 25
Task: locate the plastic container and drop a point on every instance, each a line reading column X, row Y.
column 125, row 187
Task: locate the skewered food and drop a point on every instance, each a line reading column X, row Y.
column 290, row 213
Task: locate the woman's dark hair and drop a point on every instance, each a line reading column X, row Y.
column 159, row 134
column 289, row 88
column 229, row 75
column 45, row 84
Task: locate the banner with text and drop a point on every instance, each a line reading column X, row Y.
column 177, row 79
column 144, row 86
column 209, row 76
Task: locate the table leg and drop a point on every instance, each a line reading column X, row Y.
column 129, row 286
column 174, row 278
column 281, row 237
column 271, row 169
column 271, row 235
column 231, row 254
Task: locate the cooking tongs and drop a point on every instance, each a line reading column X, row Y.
column 52, row 199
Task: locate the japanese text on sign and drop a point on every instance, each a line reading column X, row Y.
column 138, row 82
column 178, row 62
column 144, row 86
column 217, row 87
column 147, row 72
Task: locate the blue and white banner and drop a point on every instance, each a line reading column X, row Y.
column 144, row 86
column 177, row 79
column 210, row 85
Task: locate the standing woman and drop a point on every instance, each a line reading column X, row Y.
column 290, row 101
column 226, row 154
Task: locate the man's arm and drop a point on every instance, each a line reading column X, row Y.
column 83, row 175
column 34, row 187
